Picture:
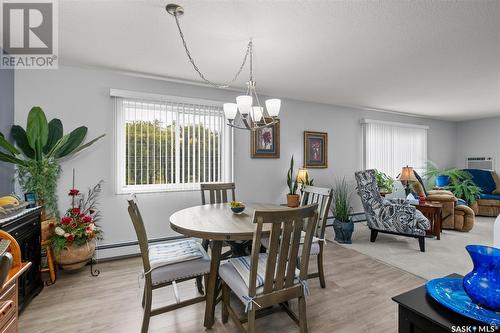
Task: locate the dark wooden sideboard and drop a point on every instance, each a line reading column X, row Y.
column 26, row 229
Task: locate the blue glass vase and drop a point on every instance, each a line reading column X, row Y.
column 483, row 283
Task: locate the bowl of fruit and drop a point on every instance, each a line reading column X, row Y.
column 237, row 207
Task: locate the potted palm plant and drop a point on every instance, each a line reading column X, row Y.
column 443, row 177
column 292, row 198
column 40, row 148
column 342, row 223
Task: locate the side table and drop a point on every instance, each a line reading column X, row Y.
column 434, row 212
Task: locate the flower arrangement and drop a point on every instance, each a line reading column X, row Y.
column 78, row 226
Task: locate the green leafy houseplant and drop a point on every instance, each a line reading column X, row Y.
column 385, row 183
column 342, row 224
column 466, row 190
column 39, row 151
column 341, row 198
column 290, row 180
column 454, row 174
column 292, row 198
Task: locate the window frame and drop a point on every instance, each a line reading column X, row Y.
column 227, row 145
column 365, row 122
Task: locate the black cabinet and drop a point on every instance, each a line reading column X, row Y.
column 26, row 229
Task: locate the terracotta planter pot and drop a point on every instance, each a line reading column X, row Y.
column 46, row 230
column 292, row 200
column 75, row 257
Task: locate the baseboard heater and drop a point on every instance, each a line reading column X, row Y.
column 131, row 243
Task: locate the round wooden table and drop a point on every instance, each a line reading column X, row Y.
column 216, row 223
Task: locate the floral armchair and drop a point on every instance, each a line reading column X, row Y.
column 396, row 216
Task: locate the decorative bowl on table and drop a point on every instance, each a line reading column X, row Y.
column 237, row 207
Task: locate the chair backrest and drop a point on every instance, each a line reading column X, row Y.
column 321, row 196
column 140, row 231
column 283, row 249
column 370, row 196
column 217, row 192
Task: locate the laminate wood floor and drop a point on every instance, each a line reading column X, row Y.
column 357, row 299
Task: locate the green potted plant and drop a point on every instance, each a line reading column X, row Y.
column 40, row 148
column 466, row 190
column 385, row 183
column 443, row 177
column 292, row 198
column 342, row 223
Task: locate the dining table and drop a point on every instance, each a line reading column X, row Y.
column 217, row 223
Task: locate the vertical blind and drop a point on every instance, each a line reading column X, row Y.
column 390, row 146
column 168, row 145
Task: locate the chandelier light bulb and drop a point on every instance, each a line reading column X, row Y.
column 244, row 103
column 273, row 106
column 230, row 110
column 257, row 113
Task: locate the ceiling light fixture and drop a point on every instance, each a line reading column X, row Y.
column 243, row 114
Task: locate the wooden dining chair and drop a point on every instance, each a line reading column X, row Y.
column 323, row 197
column 218, row 192
column 166, row 264
column 266, row 279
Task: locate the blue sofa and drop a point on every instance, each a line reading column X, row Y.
column 488, row 203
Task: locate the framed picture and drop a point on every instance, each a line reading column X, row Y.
column 265, row 142
column 315, row 150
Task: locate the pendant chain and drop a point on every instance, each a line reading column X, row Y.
column 249, row 51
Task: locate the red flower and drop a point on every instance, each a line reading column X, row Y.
column 82, row 215
column 66, row 220
column 88, row 229
column 73, row 192
column 70, row 238
column 74, row 225
column 51, row 225
column 87, row 219
column 76, row 210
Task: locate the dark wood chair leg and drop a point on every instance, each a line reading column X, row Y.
column 373, row 235
column 226, row 293
column 302, row 315
column 251, row 321
column 421, row 243
column 199, row 284
column 212, row 283
column 321, row 270
column 148, row 293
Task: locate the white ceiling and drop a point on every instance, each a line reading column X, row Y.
column 432, row 58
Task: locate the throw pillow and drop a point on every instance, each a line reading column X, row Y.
column 496, row 178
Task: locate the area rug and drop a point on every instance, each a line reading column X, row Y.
column 441, row 257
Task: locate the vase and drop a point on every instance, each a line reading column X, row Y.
column 442, row 181
column 482, row 284
column 343, row 231
column 74, row 257
column 292, row 200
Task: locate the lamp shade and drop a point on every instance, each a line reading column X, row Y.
column 407, row 174
column 273, row 107
column 230, row 110
column 302, row 175
column 244, row 103
column 257, row 113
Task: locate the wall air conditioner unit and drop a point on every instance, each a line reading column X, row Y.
column 483, row 163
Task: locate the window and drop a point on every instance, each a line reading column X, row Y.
column 389, row 146
column 169, row 143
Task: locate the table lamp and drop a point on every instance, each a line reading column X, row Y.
column 407, row 176
column 302, row 176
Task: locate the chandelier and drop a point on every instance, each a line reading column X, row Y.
column 247, row 113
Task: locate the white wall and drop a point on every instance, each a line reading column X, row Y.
column 6, row 121
column 478, row 138
column 81, row 97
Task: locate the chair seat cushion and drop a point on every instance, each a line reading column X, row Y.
column 237, row 279
column 173, row 269
column 174, row 252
